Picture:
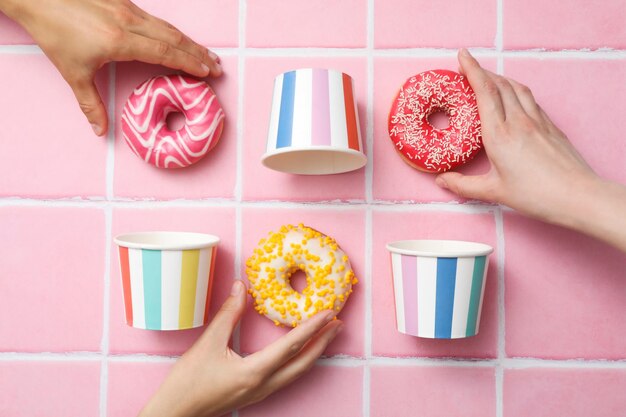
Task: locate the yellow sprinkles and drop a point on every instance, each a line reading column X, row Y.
column 329, row 275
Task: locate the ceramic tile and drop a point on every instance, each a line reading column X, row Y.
column 52, row 278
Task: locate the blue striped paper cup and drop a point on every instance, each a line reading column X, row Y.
column 167, row 278
column 438, row 286
column 314, row 124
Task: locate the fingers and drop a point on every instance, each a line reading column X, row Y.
column 526, row 99
column 277, row 353
column 160, row 30
column 490, row 104
column 158, row 52
column 467, row 186
column 91, row 104
column 221, row 328
column 508, row 95
column 302, row 362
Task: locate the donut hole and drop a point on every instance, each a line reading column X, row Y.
column 297, row 280
column 439, row 119
column 175, row 121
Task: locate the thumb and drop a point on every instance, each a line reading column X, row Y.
column 91, row 104
column 467, row 186
column 221, row 328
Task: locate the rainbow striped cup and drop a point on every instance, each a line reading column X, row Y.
column 167, row 278
column 314, row 124
column 438, row 286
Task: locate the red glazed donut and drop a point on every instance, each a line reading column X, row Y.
column 144, row 124
column 423, row 146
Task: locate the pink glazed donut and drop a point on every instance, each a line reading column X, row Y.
column 144, row 124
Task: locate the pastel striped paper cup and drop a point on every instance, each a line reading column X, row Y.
column 438, row 286
column 314, row 124
column 167, row 278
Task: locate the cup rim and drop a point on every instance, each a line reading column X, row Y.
column 166, row 240
column 354, row 159
column 439, row 248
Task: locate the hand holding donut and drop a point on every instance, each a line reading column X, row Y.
column 534, row 167
column 210, row 379
column 80, row 36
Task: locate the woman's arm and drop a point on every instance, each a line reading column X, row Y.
column 534, row 168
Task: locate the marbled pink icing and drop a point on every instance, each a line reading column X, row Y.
column 145, row 128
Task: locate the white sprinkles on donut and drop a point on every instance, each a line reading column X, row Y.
column 329, row 275
column 423, row 146
column 144, row 124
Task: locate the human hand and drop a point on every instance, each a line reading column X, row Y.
column 210, row 379
column 81, row 36
column 534, row 167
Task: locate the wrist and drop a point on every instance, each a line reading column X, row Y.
column 585, row 204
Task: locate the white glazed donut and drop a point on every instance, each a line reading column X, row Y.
column 144, row 124
column 329, row 275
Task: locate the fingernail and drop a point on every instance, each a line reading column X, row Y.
column 237, row 288
column 96, row 129
column 465, row 53
column 205, row 68
column 338, row 329
column 441, row 182
column 214, row 56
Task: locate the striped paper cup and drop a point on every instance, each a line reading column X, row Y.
column 438, row 286
column 167, row 278
column 314, row 124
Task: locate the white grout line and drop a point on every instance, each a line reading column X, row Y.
column 602, row 53
column 501, row 258
column 104, row 344
column 471, row 207
column 108, row 221
column 499, row 41
column 20, row 49
column 369, row 181
column 340, row 360
column 241, row 77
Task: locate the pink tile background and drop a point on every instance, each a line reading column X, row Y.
column 335, row 393
column 434, row 391
column 132, row 384
column 569, row 24
column 572, row 392
column 45, row 388
column 323, row 23
column 48, row 148
column 48, row 261
column 193, row 17
column 577, row 291
column 552, row 295
column 425, row 23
